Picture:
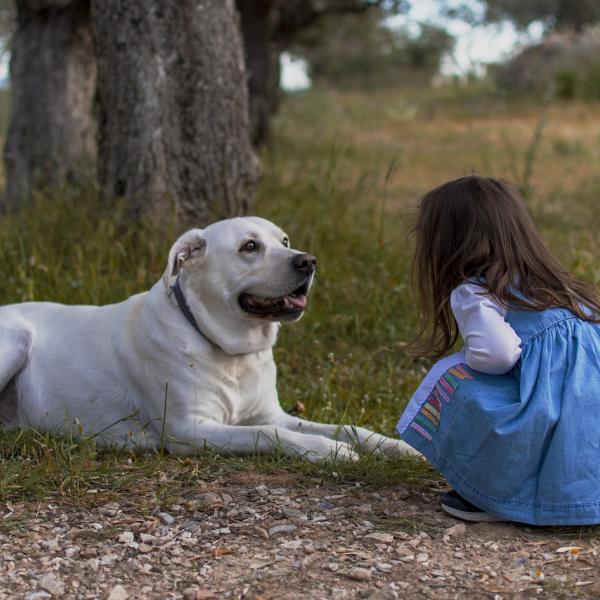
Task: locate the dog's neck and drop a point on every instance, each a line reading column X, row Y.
column 232, row 336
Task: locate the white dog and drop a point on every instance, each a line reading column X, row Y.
column 187, row 364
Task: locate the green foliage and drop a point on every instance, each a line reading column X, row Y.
column 558, row 14
column 581, row 82
column 564, row 66
column 361, row 51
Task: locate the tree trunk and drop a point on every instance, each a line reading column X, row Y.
column 262, row 65
column 172, row 107
column 53, row 76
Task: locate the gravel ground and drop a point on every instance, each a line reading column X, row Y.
column 269, row 537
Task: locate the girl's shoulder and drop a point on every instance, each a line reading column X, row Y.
column 471, row 294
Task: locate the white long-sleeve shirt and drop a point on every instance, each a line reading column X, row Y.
column 491, row 344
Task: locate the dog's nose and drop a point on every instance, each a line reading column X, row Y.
column 305, row 263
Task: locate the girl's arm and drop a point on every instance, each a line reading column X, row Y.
column 491, row 344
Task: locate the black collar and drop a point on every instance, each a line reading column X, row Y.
column 184, row 307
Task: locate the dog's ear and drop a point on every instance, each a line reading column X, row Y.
column 189, row 250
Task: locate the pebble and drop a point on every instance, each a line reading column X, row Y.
column 118, row 593
column 458, row 530
column 126, row 537
column 166, row 518
column 380, row 538
column 262, row 490
column 51, row 584
column 281, row 529
column 208, row 499
column 383, row 567
column 110, row 510
column 197, row 594
column 359, row 574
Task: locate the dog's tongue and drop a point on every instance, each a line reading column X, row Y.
column 297, row 301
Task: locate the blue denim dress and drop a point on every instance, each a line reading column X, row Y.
column 526, row 445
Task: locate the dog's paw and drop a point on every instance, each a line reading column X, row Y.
column 342, row 451
column 396, row 448
column 320, row 449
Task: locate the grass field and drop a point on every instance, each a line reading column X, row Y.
column 343, row 176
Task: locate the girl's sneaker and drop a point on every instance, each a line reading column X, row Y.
column 454, row 504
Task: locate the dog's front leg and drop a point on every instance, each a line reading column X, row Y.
column 254, row 439
column 358, row 436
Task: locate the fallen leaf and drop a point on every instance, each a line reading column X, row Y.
column 222, row 551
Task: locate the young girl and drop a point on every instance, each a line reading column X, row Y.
column 512, row 421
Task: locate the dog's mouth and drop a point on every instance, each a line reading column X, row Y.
column 282, row 308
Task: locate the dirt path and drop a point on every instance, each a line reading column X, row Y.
column 261, row 537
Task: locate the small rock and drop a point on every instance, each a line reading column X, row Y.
column 208, row 499
column 281, row 529
column 144, row 548
column 51, row 584
column 166, row 518
column 359, row 574
column 118, row 593
column 382, row 595
column 333, row 567
column 94, row 564
column 126, row 537
column 380, row 538
column 147, row 538
column 37, row 596
column 423, row 557
column 383, row 567
column 292, row 544
column 110, row 509
column 458, row 530
column 197, row 594
column 262, row 490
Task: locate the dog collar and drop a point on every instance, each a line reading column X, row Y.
column 184, row 307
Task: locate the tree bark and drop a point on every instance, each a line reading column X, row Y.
column 173, row 108
column 51, row 132
column 262, row 65
column 268, row 28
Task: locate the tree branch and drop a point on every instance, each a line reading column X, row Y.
column 290, row 16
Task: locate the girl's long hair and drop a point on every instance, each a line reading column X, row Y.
column 478, row 228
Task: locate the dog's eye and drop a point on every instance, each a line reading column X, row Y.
column 249, row 246
column 286, row 242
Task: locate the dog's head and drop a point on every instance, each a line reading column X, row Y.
column 240, row 277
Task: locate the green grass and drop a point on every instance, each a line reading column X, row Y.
column 343, row 176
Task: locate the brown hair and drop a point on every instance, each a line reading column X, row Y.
column 478, row 227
